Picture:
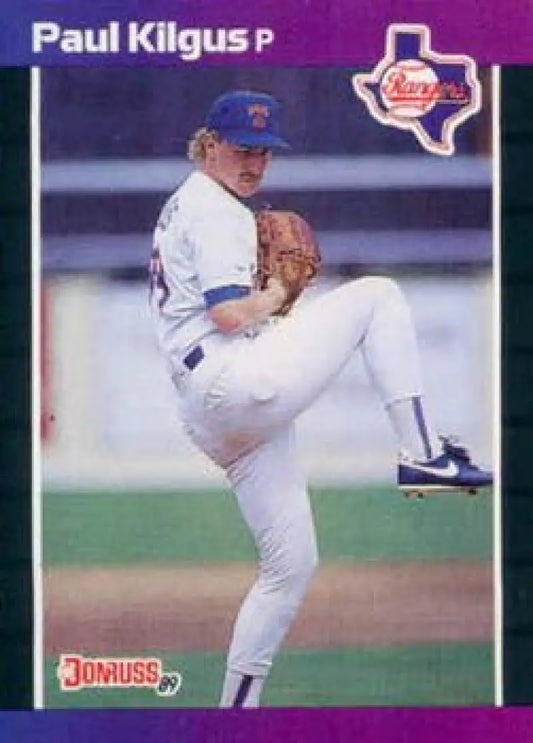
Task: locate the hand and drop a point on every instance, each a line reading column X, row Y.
column 277, row 291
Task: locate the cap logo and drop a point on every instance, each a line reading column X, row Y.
column 259, row 114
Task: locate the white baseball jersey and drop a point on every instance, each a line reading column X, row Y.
column 204, row 253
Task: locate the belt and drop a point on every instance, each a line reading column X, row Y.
column 194, row 357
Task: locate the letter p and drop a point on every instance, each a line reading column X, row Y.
column 263, row 37
column 45, row 32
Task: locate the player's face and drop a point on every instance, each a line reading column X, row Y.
column 241, row 169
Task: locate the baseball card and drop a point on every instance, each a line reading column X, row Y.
column 268, row 461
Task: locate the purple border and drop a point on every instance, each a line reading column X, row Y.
column 308, row 32
column 385, row 725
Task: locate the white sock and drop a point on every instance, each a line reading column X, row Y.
column 241, row 690
column 415, row 436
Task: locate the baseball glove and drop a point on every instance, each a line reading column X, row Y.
column 288, row 251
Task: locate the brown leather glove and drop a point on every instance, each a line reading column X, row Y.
column 287, row 250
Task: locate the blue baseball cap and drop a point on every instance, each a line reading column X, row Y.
column 248, row 119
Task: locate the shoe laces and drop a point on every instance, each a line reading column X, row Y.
column 452, row 447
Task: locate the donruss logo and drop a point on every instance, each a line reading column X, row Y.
column 419, row 90
column 77, row 672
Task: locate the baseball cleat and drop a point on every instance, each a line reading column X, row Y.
column 451, row 471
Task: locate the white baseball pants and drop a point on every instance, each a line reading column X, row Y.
column 239, row 405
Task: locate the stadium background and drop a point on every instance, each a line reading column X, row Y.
column 144, row 548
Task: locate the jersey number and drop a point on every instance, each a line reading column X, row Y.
column 158, row 285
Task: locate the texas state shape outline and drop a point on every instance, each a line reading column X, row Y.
column 463, row 67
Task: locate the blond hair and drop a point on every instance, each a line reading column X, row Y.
column 196, row 148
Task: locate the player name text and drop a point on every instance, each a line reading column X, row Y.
column 150, row 37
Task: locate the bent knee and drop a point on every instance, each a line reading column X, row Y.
column 379, row 290
column 300, row 564
column 307, row 563
column 379, row 285
column 294, row 570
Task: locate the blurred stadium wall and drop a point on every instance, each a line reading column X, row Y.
column 113, row 144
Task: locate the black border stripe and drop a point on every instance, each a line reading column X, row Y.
column 16, row 616
column 517, row 383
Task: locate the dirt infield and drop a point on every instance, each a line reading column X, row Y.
column 192, row 608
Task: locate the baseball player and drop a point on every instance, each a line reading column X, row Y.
column 243, row 377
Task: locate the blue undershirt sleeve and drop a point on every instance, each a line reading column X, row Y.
column 224, row 293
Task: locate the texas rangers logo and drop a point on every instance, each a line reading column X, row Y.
column 419, row 90
column 259, row 115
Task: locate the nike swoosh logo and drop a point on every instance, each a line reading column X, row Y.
column 450, row 471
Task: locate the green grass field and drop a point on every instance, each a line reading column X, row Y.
column 372, row 523
column 423, row 675
column 363, row 524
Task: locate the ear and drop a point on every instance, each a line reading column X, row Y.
column 210, row 149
